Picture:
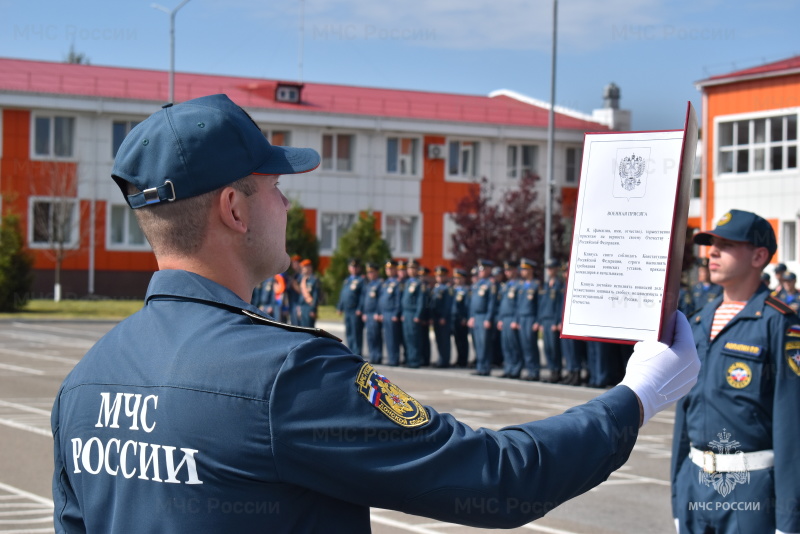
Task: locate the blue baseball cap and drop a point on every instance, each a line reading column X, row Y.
column 187, row 149
column 744, row 227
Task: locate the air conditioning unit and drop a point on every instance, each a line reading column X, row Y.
column 436, row 152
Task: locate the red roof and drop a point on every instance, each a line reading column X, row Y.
column 17, row 75
column 777, row 68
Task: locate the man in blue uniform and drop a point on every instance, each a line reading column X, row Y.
column 307, row 295
column 370, row 314
column 415, row 315
column 735, row 449
column 441, row 310
column 788, row 292
column 201, row 414
column 704, row 291
column 507, row 325
column 481, row 317
column 459, row 314
column 527, row 312
column 551, row 302
column 391, row 313
column 350, row 305
column 425, row 321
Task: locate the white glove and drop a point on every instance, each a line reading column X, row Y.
column 660, row 375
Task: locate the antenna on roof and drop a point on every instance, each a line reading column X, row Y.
column 302, row 40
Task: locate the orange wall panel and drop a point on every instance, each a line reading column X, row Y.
column 753, row 96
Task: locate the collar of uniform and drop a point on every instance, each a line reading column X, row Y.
column 177, row 283
column 754, row 307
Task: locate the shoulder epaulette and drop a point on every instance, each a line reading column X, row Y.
column 319, row 332
column 779, row 305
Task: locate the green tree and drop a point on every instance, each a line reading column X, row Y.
column 77, row 58
column 299, row 240
column 362, row 241
column 16, row 274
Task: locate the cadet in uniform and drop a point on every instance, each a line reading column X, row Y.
column 308, row 295
column 415, row 316
column 704, row 291
column 481, row 317
column 498, row 277
column 391, row 313
column 507, row 325
column 350, row 305
column 441, row 314
column 264, row 297
column 551, row 302
column 735, row 449
column 425, row 320
column 201, row 414
column 459, row 313
column 788, row 292
column 527, row 312
column 370, row 314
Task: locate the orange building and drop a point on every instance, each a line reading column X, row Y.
column 749, row 142
column 408, row 156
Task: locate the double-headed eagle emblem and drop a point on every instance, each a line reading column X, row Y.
column 631, row 169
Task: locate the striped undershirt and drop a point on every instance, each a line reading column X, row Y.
column 724, row 314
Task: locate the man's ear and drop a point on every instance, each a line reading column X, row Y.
column 233, row 209
column 761, row 257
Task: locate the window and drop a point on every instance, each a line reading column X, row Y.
column 278, row 137
column 697, row 177
column 789, row 241
column 119, row 129
column 573, row 169
column 766, row 144
column 332, row 227
column 124, row 230
column 400, row 232
column 53, row 136
column 521, row 159
column 54, row 222
column 463, row 159
column 401, row 155
column 337, row 152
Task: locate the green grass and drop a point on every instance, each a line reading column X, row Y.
column 103, row 309
column 76, row 309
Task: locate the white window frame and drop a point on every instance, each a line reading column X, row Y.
column 416, row 245
column 130, row 218
column 414, row 159
column 449, row 228
column 751, row 147
column 327, row 251
column 470, row 147
column 74, row 242
column 129, row 125
column 788, row 246
column 50, row 156
column 334, row 160
column 576, row 177
column 515, row 169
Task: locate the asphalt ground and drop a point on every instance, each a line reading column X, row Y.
column 36, row 355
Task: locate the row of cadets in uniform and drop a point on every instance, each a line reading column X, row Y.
column 291, row 297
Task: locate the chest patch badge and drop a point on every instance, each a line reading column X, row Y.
column 739, row 375
column 793, row 355
column 392, row 401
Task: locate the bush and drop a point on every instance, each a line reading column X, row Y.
column 16, row 266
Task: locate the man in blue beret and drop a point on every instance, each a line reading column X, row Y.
column 735, row 448
column 200, row 405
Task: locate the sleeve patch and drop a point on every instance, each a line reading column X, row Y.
column 389, row 399
column 793, row 355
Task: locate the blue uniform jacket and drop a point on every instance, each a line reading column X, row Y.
column 414, row 301
column 748, row 387
column 441, row 302
column 460, row 306
column 198, row 415
column 350, row 295
column 509, row 296
column 551, row 301
column 482, row 302
column 528, row 300
column 370, row 296
column 389, row 298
